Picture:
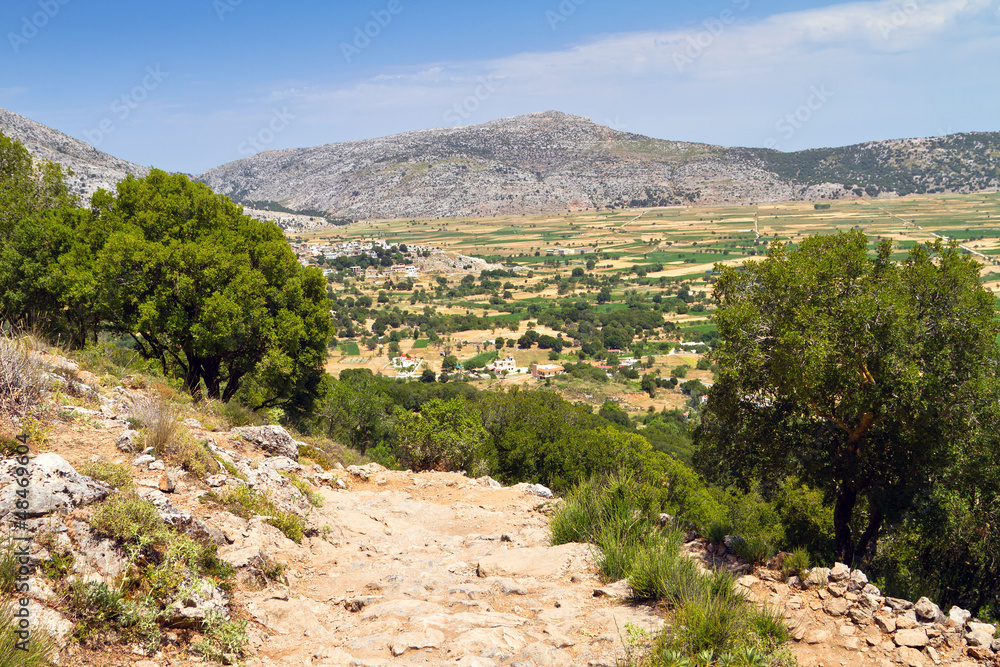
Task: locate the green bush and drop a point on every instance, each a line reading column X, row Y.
column 661, row 573
column 754, row 549
column 129, row 520
column 237, row 415
column 224, row 639
column 717, row 531
column 795, row 563
column 314, row 498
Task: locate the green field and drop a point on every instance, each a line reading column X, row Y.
column 420, row 344
column 350, row 350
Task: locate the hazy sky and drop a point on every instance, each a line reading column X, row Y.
column 190, row 84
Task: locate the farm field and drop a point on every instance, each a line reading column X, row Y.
column 630, row 259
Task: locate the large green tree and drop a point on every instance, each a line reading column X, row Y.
column 37, row 216
column 211, row 293
column 868, row 378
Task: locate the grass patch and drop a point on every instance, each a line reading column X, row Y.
column 713, row 623
column 314, row 498
column 20, row 379
column 224, row 640
column 116, row 475
column 41, row 650
column 421, row 344
column 247, row 503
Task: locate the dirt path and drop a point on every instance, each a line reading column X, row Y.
column 435, row 569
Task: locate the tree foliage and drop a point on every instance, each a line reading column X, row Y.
column 866, row 378
column 204, row 289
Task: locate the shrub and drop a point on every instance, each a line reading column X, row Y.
column 660, row 572
column 157, row 420
column 237, row 414
column 618, row 504
column 795, row 564
column 129, row 520
column 190, row 454
column 20, row 379
column 116, row 475
column 717, row 531
column 8, row 565
column 754, row 549
column 224, row 639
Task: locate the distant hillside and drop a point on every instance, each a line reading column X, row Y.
column 955, row 163
column 551, row 162
column 92, row 168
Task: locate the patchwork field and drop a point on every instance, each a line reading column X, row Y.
column 572, row 258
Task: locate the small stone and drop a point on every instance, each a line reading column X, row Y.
column 167, row 483
column 215, row 481
column 511, row 587
column 143, row 460
column 840, row 572
column 910, row 657
column 158, row 465
column 980, row 653
column 928, row 611
column 886, row 623
column 989, row 629
column 839, row 589
column 959, row 617
column 818, row 576
column 835, row 606
column 932, row 653
column 914, row 638
column 817, row 636
column 978, row 638
column 128, row 442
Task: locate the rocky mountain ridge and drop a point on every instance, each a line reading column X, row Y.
column 92, row 169
column 553, row 162
column 544, row 162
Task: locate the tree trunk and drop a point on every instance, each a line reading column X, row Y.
column 843, row 510
column 865, row 551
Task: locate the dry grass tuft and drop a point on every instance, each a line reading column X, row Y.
column 20, row 379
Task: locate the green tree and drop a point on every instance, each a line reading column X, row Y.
column 355, row 410
column 449, row 363
column 866, row 378
column 207, row 291
column 444, row 435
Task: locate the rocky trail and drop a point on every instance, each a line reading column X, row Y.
column 402, row 568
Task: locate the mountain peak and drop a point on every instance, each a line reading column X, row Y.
column 92, row 168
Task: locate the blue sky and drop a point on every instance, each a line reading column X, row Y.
column 192, row 84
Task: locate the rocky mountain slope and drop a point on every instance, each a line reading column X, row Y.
column 551, row 162
column 92, row 169
column 398, row 568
